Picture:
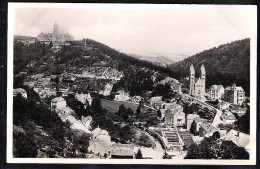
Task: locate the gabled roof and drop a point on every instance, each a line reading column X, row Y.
column 207, row 127
column 239, row 138
column 122, row 150
column 216, row 87
column 199, row 81
column 57, row 99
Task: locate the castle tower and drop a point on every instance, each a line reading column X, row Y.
column 203, row 76
column 192, row 80
column 55, row 29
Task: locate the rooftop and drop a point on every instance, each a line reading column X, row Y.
column 57, row 99
column 122, row 150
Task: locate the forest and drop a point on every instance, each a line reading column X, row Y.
column 224, row 65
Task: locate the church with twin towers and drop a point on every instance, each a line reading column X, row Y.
column 197, row 88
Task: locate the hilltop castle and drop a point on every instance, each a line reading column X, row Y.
column 54, row 37
column 197, row 88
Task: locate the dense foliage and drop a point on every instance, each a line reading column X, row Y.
column 213, row 148
column 39, row 132
column 224, row 65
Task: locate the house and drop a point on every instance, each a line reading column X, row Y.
column 239, row 138
column 84, row 98
column 86, row 121
column 239, row 111
column 228, row 118
column 223, row 105
column 162, row 113
column 172, row 106
column 29, row 84
column 64, row 92
column 174, row 117
column 197, row 123
column 100, row 143
column 217, row 92
column 136, row 99
column 122, row 151
column 189, row 120
column 58, row 103
column 234, row 94
column 121, row 95
column 20, row 91
column 153, row 100
column 108, row 89
column 197, row 139
column 46, row 92
column 206, row 130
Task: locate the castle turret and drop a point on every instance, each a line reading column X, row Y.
column 192, row 80
column 55, row 29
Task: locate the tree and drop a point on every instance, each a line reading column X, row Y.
column 166, row 156
column 138, row 110
column 121, row 110
column 139, row 154
column 244, row 121
column 51, row 45
column 228, row 150
column 159, row 114
column 96, row 104
column 130, row 112
column 213, row 148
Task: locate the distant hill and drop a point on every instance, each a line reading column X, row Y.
column 20, row 37
column 224, row 65
column 158, row 59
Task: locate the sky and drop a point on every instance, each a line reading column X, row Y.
column 173, row 30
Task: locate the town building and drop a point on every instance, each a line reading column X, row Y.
column 100, row 143
column 84, row 98
column 238, row 110
column 122, row 151
column 239, row 138
column 196, row 124
column 197, row 88
column 108, row 89
column 55, row 37
column 58, row 103
column 174, row 117
column 228, row 118
column 154, row 100
column 189, row 120
column 234, row 94
column 206, row 130
column 20, row 91
column 216, row 92
column 223, row 105
column 121, row 95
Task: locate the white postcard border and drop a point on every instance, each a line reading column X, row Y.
column 253, row 92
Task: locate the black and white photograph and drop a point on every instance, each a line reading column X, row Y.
column 131, row 83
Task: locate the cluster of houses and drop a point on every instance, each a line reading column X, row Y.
column 101, row 146
column 232, row 94
column 66, row 114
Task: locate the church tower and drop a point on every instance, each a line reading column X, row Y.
column 203, row 76
column 192, row 80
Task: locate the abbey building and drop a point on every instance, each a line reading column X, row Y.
column 197, row 88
